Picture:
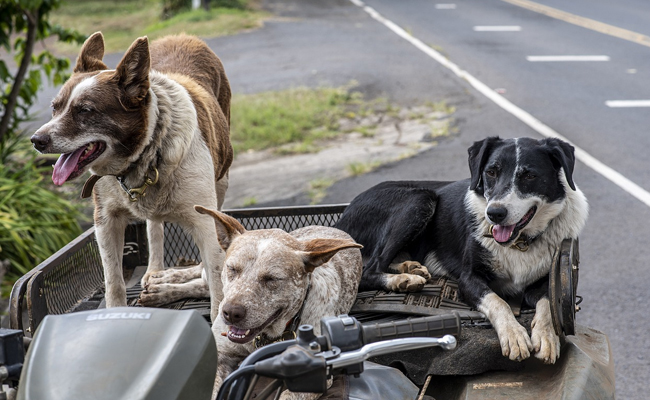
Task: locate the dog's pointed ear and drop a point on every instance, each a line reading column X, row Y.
column 317, row 252
column 132, row 73
column 228, row 228
column 478, row 155
column 91, row 54
column 562, row 155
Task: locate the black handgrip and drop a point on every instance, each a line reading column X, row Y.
column 434, row 326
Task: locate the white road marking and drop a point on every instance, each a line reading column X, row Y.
column 566, row 58
column 441, row 6
column 497, row 28
column 627, row 103
column 615, row 177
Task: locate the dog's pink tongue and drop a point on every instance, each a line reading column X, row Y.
column 65, row 166
column 502, row 233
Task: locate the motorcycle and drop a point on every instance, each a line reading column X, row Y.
column 56, row 296
column 163, row 354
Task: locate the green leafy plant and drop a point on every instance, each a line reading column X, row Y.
column 26, row 22
column 34, row 220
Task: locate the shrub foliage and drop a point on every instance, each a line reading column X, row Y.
column 34, row 220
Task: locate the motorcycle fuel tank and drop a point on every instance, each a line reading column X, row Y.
column 121, row 353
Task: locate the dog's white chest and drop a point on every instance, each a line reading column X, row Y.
column 515, row 270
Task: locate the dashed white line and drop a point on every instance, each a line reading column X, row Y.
column 627, row 103
column 441, row 6
column 615, row 177
column 566, row 58
column 497, row 28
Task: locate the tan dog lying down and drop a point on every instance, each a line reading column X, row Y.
column 270, row 276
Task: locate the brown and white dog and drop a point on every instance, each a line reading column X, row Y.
column 272, row 278
column 156, row 130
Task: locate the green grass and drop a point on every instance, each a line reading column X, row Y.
column 216, row 22
column 318, row 189
column 297, row 148
column 297, row 116
column 360, row 168
column 441, row 106
column 293, row 121
column 123, row 21
column 440, row 129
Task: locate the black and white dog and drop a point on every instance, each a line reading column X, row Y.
column 495, row 233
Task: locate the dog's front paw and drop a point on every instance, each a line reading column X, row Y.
column 151, row 300
column 404, row 282
column 545, row 342
column 154, row 295
column 171, row 276
column 414, row 268
column 515, row 342
column 145, row 281
column 155, row 279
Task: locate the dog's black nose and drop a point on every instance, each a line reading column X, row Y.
column 497, row 214
column 40, row 141
column 233, row 313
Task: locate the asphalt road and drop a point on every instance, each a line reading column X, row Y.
column 333, row 42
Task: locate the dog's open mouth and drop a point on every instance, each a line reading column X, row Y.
column 238, row 335
column 505, row 233
column 71, row 165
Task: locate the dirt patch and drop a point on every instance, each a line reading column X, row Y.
column 264, row 176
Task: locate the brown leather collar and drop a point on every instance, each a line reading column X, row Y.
column 88, row 186
column 133, row 193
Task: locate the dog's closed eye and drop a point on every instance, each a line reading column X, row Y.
column 270, row 279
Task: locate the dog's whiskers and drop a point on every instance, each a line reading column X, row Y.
column 123, row 145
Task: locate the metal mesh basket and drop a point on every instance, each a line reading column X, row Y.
column 180, row 246
column 58, row 283
column 73, row 278
column 81, row 272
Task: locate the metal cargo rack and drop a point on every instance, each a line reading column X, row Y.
column 72, row 279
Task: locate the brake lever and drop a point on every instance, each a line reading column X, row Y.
column 342, row 360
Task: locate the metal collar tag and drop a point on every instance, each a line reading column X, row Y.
column 135, row 193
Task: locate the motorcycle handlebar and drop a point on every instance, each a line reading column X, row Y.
column 434, row 326
column 342, row 348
